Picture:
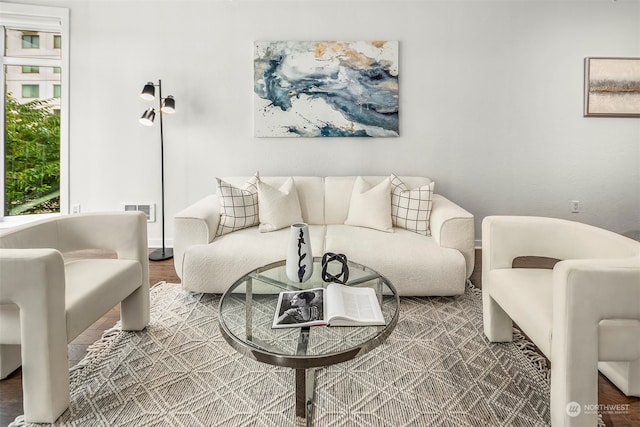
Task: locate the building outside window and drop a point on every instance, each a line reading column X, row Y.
column 30, row 91
column 33, row 105
column 26, row 69
column 30, row 41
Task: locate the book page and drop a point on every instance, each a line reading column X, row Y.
column 353, row 306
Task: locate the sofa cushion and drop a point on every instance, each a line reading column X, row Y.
column 215, row 266
column 411, row 209
column 238, row 206
column 278, row 207
column 398, row 255
column 370, row 206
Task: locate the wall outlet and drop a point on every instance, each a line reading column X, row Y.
column 575, row 206
column 75, row 209
column 149, row 209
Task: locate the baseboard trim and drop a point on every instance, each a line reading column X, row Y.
column 157, row 243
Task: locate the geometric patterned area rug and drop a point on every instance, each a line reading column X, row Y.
column 435, row 369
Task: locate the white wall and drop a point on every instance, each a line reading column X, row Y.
column 491, row 96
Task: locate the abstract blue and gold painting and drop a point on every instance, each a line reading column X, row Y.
column 326, row 89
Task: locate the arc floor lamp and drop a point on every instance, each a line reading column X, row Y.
column 166, row 105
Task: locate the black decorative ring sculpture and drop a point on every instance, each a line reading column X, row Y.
column 341, row 277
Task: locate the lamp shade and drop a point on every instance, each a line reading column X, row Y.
column 148, row 91
column 169, row 105
column 148, row 116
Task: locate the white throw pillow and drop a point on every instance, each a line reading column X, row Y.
column 238, row 206
column 411, row 209
column 279, row 208
column 371, row 207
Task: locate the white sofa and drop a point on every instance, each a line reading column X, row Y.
column 46, row 301
column 584, row 315
column 416, row 264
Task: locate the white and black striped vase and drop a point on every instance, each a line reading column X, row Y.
column 299, row 266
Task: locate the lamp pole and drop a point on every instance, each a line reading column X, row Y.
column 164, row 252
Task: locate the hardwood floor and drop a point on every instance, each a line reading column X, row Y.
column 11, row 389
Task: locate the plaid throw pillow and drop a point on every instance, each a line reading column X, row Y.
column 238, row 206
column 411, row 209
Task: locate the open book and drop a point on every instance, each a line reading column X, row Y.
column 335, row 305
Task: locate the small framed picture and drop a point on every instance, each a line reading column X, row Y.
column 612, row 87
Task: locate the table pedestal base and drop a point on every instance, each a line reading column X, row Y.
column 305, row 385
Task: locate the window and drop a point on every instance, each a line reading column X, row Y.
column 34, row 111
column 27, row 69
column 30, row 91
column 30, row 41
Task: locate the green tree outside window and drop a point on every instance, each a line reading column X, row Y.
column 32, row 158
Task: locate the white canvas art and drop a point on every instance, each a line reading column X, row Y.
column 326, row 89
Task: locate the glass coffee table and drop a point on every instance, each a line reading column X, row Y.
column 247, row 310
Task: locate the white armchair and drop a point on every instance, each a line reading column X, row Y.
column 584, row 315
column 46, row 302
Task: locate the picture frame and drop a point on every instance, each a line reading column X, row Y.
column 611, row 87
column 326, row 88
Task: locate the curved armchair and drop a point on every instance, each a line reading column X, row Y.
column 46, row 302
column 584, row 315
